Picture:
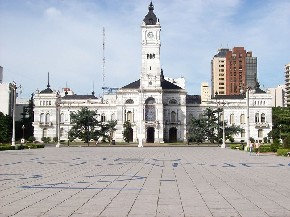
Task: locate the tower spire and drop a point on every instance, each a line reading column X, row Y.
column 48, row 86
column 151, row 7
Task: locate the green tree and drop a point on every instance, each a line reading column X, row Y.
column 280, row 120
column 208, row 127
column 197, row 130
column 127, row 130
column 85, row 125
column 5, row 128
column 107, row 130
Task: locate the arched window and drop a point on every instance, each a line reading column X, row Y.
column 242, row 118
column 129, row 116
column 173, row 116
column 103, row 117
column 173, row 102
column 129, row 101
column 44, row 132
column 243, row 133
column 61, row 118
column 263, row 118
column 150, row 114
column 260, row 133
column 257, row 118
column 47, row 118
column 113, row 117
column 232, row 119
column 62, row 132
column 42, row 118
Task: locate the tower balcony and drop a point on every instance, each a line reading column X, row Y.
column 262, row 125
column 44, row 124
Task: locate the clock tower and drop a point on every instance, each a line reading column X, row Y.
column 151, row 70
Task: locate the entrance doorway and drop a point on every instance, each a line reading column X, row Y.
column 172, row 134
column 150, row 135
column 131, row 136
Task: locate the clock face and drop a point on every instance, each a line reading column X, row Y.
column 150, row 34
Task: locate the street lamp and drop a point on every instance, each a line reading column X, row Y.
column 14, row 88
column 140, row 142
column 57, row 103
column 247, row 90
column 23, row 127
column 68, row 125
column 223, row 114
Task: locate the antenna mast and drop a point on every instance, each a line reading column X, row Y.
column 104, row 59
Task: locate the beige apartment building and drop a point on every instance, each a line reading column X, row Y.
column 287, row 83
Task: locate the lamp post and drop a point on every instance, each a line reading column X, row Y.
column 248, row 118
column 14, row 88
column 57, row 103
column 23, row 127
column 247, row 91
column 68, row 127
column 140, row 142
column 222, row 104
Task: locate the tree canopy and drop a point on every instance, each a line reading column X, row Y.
column 208, row 127
column 5, row 128
column 85, row 125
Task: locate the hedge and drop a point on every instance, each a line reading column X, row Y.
column 237, row 146
column 19, row 147
column 283, row 151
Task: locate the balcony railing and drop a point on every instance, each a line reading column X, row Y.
column 45, row 124
column 262, row 125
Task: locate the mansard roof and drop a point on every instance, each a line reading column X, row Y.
column 193, row 99
column 79, row 97
column 240, row 96
column 47, row 90
column 258, row 89
column 166, row 85
column 150, row 18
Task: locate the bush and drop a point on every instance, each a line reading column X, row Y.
column 234, row 146
column 283, row 151
column 31, row 139
column 33, row 146
column 231, row 139
column 265, row 139
column 274, row 147
column 286, row 142
column 7, row 147
column 45, row 139
column 252, row 140
column 264, row 148
column 55, row 139
column 237, row 146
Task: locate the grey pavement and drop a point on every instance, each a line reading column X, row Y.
column 149, row 181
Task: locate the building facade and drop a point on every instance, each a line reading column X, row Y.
column 6, row 98
column 278, row 96
column 287, row 83
column 233, row 70
column 157, row 108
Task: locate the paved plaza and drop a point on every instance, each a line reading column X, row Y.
column 149, row 181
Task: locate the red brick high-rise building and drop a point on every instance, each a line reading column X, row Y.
column 233, row 70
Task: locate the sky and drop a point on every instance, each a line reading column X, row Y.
column 65, row 38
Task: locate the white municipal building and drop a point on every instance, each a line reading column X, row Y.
column 158, row 108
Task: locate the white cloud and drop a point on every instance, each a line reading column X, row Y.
column 52, row 12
